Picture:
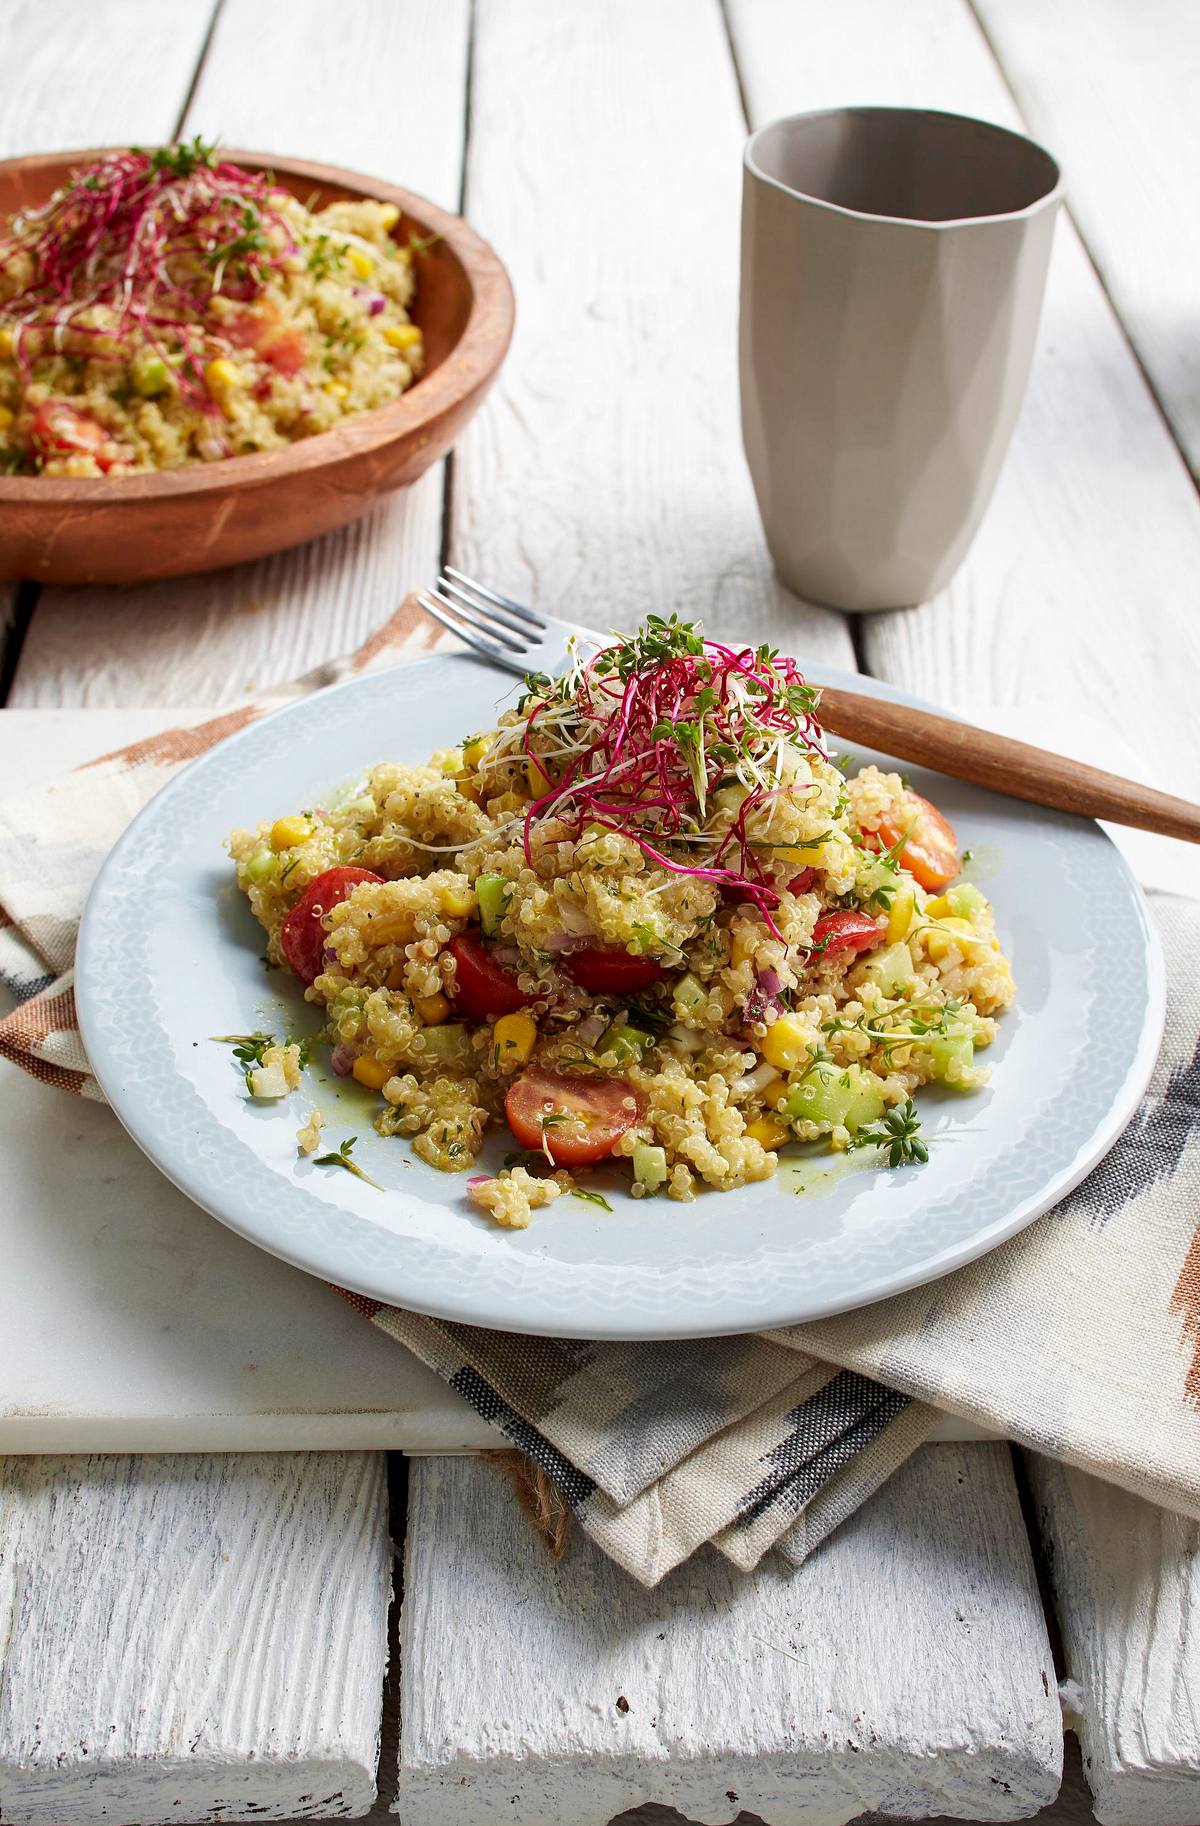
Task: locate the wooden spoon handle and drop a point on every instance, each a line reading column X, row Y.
column 1016, row 768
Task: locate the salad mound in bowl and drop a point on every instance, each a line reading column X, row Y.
column 168, row 307
column 208, row 356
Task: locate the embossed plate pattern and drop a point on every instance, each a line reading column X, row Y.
column 169, row 956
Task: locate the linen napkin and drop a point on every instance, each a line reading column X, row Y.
column 1080, row 1337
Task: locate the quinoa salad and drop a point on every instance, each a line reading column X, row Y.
column 646, row 920
column 168, row 307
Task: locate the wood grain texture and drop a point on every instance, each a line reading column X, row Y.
column 190, row 1637
column 388, row 98
column 905, row 1672
column 605, row 476
column 1127, row 1590
column 95, row 77
column 1080, row 588
column 1112, row 88
column 1018, row 768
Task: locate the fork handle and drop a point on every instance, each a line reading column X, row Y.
column 1007, row 766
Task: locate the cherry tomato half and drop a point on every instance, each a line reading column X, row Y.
column 612, row 972
column 302, row 938
column 262, row 328
column 59, row 430
column 577, row 1120
column 845, row 932
column 482, row 987
column 930, row 852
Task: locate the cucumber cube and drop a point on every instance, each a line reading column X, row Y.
column 650, row 1166
column 624, row 1043
column 690, row 994
column 492, row 892
column 834, row 1096
column 891, row 968
column 953, row 1058
column 966, row 900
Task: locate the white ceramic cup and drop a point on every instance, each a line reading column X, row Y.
column 893, row 267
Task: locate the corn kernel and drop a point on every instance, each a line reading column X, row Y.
column 391, row 929
column 401, row 335
column 773, row 1091
column 221, row 373
column 457, row 902
column 539, row 780
column 939, row 906
column 475, row 750
column 395, row 977
column 786, row 1043
column 286, row 833
column 224, row 379
column 6, row 342
column 516, row 1037
column 337, row 389
column 953, row 934
column 900, row 916
column 371, row 1072
column 768, row 1131
column 6, row 418
column 505, row 802
column 433, row 1009
column 389, row 215
column 742, row 947
column 803, row 858
column 361, row 263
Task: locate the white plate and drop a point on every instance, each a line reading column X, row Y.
column 169, row 955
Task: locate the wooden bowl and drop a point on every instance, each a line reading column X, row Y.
column 134, row 529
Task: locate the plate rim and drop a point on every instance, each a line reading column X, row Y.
column 313, row 1260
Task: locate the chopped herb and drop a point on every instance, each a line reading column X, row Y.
column 532, row 1159
column 342, row 1159
column 899, row 1134
column 248, row 1050
column 592, row 1198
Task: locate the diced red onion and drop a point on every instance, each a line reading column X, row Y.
column 507, row 955
column 479, row 1179
column 801, row 883
column 376, row 305
column 770, row 981
column 567, row 941
column 341, row 1061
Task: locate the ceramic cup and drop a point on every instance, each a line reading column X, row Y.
column 893, row 266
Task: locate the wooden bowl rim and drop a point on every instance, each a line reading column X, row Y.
column 471, row 362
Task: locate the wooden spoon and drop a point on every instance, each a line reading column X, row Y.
column 1016, row 768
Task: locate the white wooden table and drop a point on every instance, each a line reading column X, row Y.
column 208, row 1636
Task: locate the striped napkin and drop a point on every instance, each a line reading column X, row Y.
column 1081, row 1337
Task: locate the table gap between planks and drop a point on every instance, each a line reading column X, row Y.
column 602, row 159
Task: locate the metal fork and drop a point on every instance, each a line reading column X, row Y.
column 504, row 631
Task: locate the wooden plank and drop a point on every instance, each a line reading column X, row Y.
column 1111, row 89
column 92, row 76
column 605, row 477
column 905, row 1672
column 1079, row 590
column 1128, row 1600
column 184, row 1638
column 391, row 100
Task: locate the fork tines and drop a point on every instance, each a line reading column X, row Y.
column 502, row 630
